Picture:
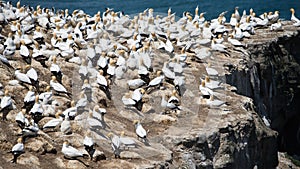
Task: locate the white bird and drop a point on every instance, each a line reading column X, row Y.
column 55, row 70
column 213, row 102
column 57, row 87
column 24, row 51
column 46, row 97
column 157, row 80
column 70, row 152
column 126, row 141
column 71, row 112
column 65, row 126
column 139, row 130
column 115, row 144
column 206, row 92
column 29, row 99
column 294, row 19
column 135, row 83
column 212, row 84
column 17, row 150
column 89, row 144
column 23, row 78
column 218, row 47
column 234, row 42
column 6, row 104
column 103, row 85
column 276, row 26
column 33, row 76
column 53, row 123
column 21, row 119
column 37, row 110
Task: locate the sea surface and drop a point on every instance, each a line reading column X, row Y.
column 212, row 7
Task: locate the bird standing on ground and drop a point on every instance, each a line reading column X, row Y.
column 17, row 150
column 6, row 105
column 139, row 130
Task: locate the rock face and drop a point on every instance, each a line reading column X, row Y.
column 270, row 76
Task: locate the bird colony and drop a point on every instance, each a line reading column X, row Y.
column 73, row 75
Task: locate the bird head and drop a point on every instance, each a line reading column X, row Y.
column 53, row 78
column 23, row 111
column 54, row 59
column 6, row 93
column 37, row 99
column 27, row 67
column 30, row 88
column 101, row 72
column 122, row 133
column 20, row 140
column 109, row 135
column 48, row 88
column 207, row 79
column 86, row 81
column 58, row 113
column 292, row 10
column 142, row 91
column 203, row 83
column 72, row 103
column 136, row 122
column 96, row 108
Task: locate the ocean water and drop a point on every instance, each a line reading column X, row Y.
column 211, row 7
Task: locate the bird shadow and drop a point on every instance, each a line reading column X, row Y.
column 77, row 159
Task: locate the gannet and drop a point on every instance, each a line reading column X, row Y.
column 212, row 84
column 157, row 81
column 82, row 102
column 70, row 152
column 83, row 70
column 273, row 18
column 135, row 99
column 168, row 105
column 234, row 42
column 126, row 141
column 37, row 110
column 276, row 26
column 218, row 47
column 71, row 112
column 24, row 52
column 233, row 20
column 21, row 119
column 6, row 104
column 135, row 83
column 103, row 85
column 65, row 126
column 139, row 130
column 46, row 97
column 86, row 87
column 237, row 14
column 213, row 102
column 33, row 76
column 53, row 123
column 30, row 130
column 206, row 92
column 115, row 144
column 294, row 19
column 17, row 150
column 55, row 70
column 4, row 60
column 29, row 99
column 57, row 87
column 89, row 144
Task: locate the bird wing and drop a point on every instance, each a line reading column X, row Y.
column 53, row 123
column 128, row 101
column 88, row 141
column 140, row 131
column 58, row 87
column 18, row 147
column 6, row 101
column 127, row 141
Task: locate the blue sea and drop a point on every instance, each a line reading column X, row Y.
column 211, row 7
